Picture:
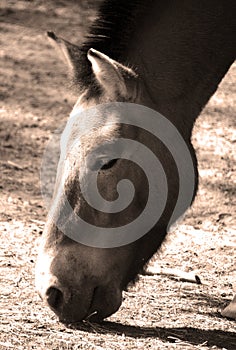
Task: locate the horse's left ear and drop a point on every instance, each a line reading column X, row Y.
column 111, row 75
column 70, row 52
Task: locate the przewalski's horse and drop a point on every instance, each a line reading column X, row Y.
column 169, row 56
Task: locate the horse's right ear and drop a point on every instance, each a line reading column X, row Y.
column 70, row 52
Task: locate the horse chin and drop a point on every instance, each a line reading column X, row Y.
column 105, row 302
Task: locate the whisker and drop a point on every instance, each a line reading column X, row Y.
column 93, row 313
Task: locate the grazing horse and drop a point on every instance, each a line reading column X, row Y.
column 168, row 56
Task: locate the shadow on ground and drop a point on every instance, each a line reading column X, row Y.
column 194, row 336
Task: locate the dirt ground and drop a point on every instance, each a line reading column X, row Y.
column 158, row 312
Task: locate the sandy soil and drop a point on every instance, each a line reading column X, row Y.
column 157, row 313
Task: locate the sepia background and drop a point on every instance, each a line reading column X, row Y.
column 158, row 312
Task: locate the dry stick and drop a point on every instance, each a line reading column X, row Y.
column 15, row 165
column 173, row 273
column 12, row 164
column 39, row 222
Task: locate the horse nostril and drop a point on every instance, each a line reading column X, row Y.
column 54, row 297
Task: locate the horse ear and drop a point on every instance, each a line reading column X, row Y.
column 111, row 75
column 70, row 52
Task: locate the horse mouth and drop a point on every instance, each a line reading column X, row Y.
column 93, row 315
column 102, row 305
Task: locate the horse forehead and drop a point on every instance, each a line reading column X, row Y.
column 90, row 128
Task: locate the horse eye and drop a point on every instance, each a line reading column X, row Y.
column 99, row 165
column 109, row 164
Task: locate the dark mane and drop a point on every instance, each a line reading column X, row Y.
column 113, row 28
column 110, row 33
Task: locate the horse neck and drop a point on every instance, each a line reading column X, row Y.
column 182, row 50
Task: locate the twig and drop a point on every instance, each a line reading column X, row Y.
column 39, row 222
column 12, row 164
column 173, row 273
